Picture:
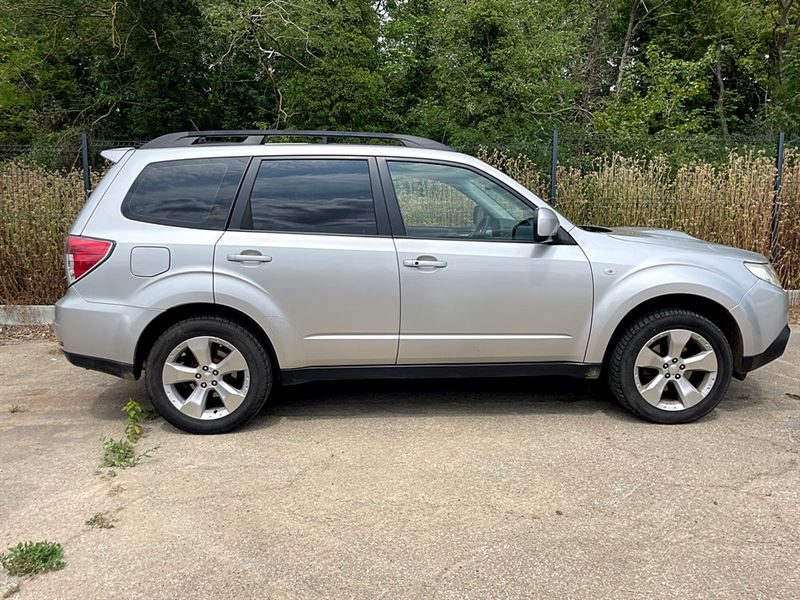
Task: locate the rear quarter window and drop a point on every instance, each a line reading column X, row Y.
column 195, row 193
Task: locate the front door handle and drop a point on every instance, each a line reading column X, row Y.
column 254, row 257
column 425, row 262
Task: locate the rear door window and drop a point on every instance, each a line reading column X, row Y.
column 195, row 193
column 322, row 195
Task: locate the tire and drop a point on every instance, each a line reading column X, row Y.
column 642, row 384
column 230, row 396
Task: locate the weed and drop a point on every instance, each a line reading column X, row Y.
column 29, row 558
column 100, row 521
column 17, row 408
column 133, row 429
column 122, row 454
column 133, row 426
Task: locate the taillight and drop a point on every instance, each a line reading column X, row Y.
column 84, row 254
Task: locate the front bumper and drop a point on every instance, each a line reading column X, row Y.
column 775, row 349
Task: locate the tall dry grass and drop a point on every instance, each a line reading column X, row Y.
column 37, row 207
column 730, row 203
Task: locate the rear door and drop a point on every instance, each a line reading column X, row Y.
column 475, row 287
column 309, row 245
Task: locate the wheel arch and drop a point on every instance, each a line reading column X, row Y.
column 710, row 309
column 174, row 315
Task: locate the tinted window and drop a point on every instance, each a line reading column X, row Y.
column 313, row 196
column 442, row 201
column 187, row 193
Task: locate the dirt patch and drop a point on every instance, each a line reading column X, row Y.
column 11, row 333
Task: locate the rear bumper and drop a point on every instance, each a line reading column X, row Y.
column 96, row 333
column 775, row 349
column 103, row 365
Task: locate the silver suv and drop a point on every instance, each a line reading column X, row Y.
column 222, row 266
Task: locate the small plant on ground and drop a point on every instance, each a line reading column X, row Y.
column 17, row 408
column 133, row 428
column 100, row 521
column 136, row 414
column 29, row 558
column 121, row 454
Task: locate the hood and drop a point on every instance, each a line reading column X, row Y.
column 679, row 240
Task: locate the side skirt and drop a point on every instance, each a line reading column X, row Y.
column 440, row 371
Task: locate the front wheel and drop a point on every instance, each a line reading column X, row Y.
column 208, row 375
column 671, row 366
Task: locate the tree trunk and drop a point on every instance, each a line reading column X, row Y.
column 723, row 122
column 594, row 67
column 626, row 46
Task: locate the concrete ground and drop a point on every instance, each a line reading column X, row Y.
column 489, row 489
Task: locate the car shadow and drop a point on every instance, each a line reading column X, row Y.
column 429, row 397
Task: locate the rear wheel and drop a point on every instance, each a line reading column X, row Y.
column 671, row 366
column 208, row 375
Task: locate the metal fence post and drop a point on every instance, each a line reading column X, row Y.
column 85, row 161
column 553, row 168
column 776, row 202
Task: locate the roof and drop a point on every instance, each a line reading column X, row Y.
column 259, row 136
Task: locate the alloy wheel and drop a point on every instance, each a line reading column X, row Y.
column 206, row 377
column 676, row 369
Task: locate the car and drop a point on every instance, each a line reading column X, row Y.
column 223, row 264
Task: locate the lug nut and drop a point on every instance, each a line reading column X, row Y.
column 215, row 372
column 214, row 382
column 677, row 376
column 683, row 366
column 198, row 376
column 666, row 375
column 203, row 385
column 205, row 368
column 674, row 360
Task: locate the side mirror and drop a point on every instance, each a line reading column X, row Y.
column 547, row 224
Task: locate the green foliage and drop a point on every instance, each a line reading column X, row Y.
column 497, row 72
column 133, row 425
column 29, row 558
column 122, row 454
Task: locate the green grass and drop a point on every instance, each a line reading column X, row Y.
column 29, row 558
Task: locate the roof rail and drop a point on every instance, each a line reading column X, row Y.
column 258, row 136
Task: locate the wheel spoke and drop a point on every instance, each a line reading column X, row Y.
column 175, row 373
column 196, row 403
column 649, row 359
column 232, row 363
column 688, row 394
column 231, row 397
column 201, row 349
column 653, row 391
column 703, row 361
column 678, row 338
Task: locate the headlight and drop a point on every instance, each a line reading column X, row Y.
column 764, row 271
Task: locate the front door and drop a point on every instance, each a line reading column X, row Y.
column 474, row 286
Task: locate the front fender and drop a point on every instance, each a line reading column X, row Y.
column 617, row 295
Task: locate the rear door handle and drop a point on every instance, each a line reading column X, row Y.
column 255, row 257
column 425, row 262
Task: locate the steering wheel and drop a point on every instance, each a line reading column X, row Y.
column 528, row 221
column 482, row 227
